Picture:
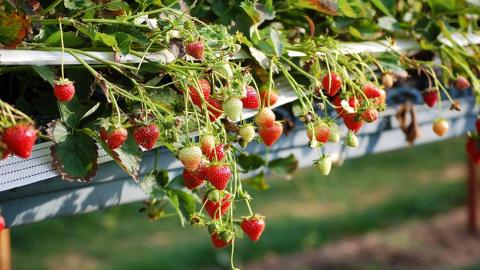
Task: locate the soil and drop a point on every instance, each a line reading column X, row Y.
column 442, row 242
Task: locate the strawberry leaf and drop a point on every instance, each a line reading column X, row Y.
column 258, row 182
column 13, row 29
column 284, row 166
column 249, row 162
column 71, row 113
column 183, row 202
column 74, row 154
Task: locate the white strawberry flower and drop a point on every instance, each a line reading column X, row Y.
column 151, row 23
column 346, row 106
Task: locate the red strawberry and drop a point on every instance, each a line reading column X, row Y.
column 117, row 137
column 440, row 126
column 217, row 209
column 265, row 118
column 217, row 154
column 191, row 157
column 195, row 94
column 5, row 153
column 473, row 150
column 430, row 97
column 371, row 90
column 218, row 242
column 331, row 84
column 64, row 90
column 215, row 109
column 195, row 49
column 218, row 175
column 370, row 115
column 2, row 223
column 461, row 83
column 477, row 125
column 193, row 179
column 207, row 143
column 271, row 134
column 20, row 139
column 269, row 100
column 337, row 101
column 322, row 132
column 250, row 101
column 146, row 135
column 253, row 227
column 352, row 122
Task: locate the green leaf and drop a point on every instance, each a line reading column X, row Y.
column 183, row 202
column 70, row 39
column 277, row 43
column 353, row 8
column 284, row 166
column 108, row 40
column 249, row 162
column 124, row 42
column 45, row 72
column 162, row 178
column 385, row 6
column 74, row 154
column 260, row 57
column 116, row 5
column 257, row 13
column 72, row 112
column 258, row 182
column 325, row 6
column 13, row 28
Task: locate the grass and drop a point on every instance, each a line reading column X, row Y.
column 308, row 211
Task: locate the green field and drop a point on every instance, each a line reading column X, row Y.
column 307, row 211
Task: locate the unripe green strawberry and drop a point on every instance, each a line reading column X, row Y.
column 232, row 108
column 334, row 135
column 190, row 157
column 247, row 133
column 323, row 165
column 351, row 140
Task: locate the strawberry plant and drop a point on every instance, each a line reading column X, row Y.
column 193, row 85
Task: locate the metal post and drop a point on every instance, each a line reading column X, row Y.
column 5, row 254
column 472, row 197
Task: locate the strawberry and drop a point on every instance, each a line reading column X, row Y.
column 250, row 101
column 218, row 242
column 337, row 101
column 218, row 175
column 146, row 135
column 430, row 97
column 207, row 143
column 195, row 95
column 387, row 80
column 271, row 134
column 195, row 49
column 20, row 139
column 247, row 133
column 371, row 90
column 331, row 84
column 193, row 179
column 321, row 131
column 351, row 140
column 334, row 135
column 190, row 157
column 63, row 90
column 265, row 118
column 2, row 223
column 473, row 150
column 440, row 126
column 216, row 209
column 218, row 153
column 323, row 165
column 461, row 83
column 382, row 99
column 116, row 137
column 253, row 227
column 232, row 108
column 215, row 109
column 370, row 115
column 271, row 99
column 477, row 125
column 352, row 122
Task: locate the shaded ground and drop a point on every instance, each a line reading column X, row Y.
column 439, row 243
